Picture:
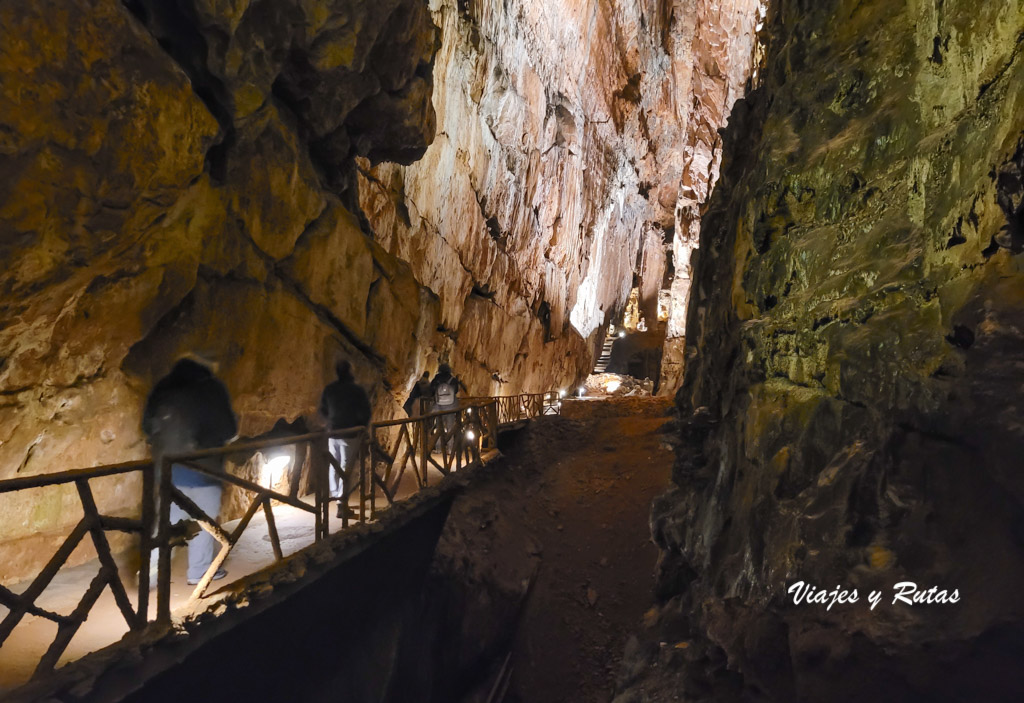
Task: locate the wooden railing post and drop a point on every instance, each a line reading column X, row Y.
column 317, row 460
column 146, row 539
column 424, row 450
column 492, row 431
column 373, row 473
column 361, row 464
column 458, row 441
column 163, row 540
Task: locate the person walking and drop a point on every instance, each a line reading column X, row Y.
column 187, row 410
column 344, row 404
column 419, row 399
column 444, row 390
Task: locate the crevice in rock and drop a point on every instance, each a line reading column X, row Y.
column 174, row 25
column 481, row 290
column 1010, row 197
column 1004, row 69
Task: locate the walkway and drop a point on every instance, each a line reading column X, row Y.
column 105, row 625
column 103, row 621
column 588, row 510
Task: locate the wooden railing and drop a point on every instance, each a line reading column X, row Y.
column 444, row 441
column 96, row 526
column 514, row 408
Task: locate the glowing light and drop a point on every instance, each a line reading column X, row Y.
column 274, row 468
column 470, row 435
column 582, row 391
column 622, row 333
column 613, row 386
column 561, row 393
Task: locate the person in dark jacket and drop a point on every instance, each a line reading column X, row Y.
column 444, row 393
column 420, row 398
column 344, row 404
column 187, row 410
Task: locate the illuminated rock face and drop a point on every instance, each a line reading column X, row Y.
column 568, row 132
column 226, row 178
column 856, row 364
column 173, row 180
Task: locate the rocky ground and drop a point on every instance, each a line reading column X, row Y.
column 558, row 551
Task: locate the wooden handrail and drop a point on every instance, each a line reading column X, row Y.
column 21, row 483
column 414, row 445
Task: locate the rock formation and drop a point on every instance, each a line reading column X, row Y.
column 853, row 361
column 173, row 181
column 567, row 134
column 228, row 179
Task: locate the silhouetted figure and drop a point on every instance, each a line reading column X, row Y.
column 420, row 398
column 444, row 390
column 190, row 409
column 344, row 404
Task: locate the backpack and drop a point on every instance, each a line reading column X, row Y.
column 445, row 393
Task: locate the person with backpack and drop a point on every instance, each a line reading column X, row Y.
column 444, row 390
column 344, row 404
column 187, row 410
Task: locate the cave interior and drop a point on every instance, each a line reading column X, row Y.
column 760, row 259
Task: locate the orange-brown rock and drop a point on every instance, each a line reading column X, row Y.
column 276, row 183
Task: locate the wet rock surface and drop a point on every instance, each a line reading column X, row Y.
column 853, row 355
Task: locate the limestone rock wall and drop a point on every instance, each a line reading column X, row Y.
column 567, row 134
column 719, row 66
column 276, row 183
column 174, row 178
column 852, row 395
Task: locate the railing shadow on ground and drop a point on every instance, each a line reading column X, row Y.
column 389, row 452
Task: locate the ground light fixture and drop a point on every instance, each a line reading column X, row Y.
column 581, row 390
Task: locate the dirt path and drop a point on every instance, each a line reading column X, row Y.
column 595, row 581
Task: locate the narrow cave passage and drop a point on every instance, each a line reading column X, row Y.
column 512, row 350
column 577, row 503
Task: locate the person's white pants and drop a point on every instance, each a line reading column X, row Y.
column 346, row 451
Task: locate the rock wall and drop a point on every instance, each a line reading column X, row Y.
column 719, row 64
column 851, row 398
column 567, row 133
column 228, row 179
column 173, row 179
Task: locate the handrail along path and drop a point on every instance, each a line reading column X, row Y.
column 391, row 450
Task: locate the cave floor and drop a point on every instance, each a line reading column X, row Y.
column 105, row 624
column 588, row 509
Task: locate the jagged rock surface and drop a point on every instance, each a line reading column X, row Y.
column 567, row 134
column 174, row 177
column 856, row 351
column 227, row 178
